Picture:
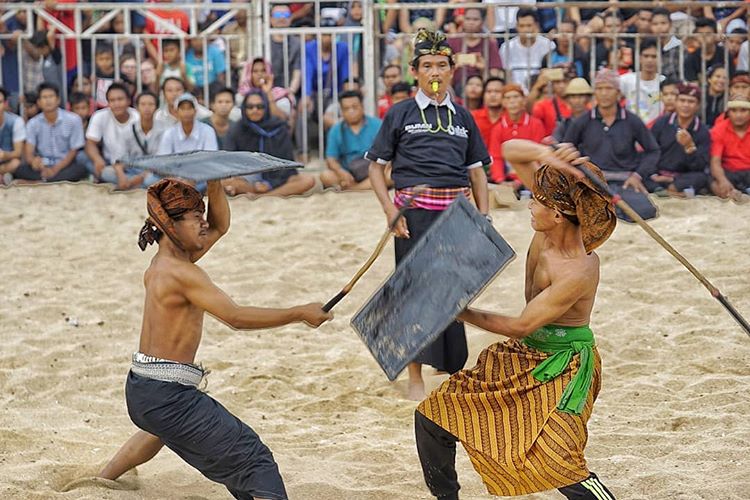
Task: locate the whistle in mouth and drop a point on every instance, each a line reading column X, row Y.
column 435, row 86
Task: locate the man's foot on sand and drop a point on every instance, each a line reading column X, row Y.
column 415, row 390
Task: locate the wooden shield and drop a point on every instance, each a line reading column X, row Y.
column 455, row 259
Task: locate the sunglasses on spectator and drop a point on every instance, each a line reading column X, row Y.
column 255, row 106
column 281, row 15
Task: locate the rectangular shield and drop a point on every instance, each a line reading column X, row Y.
column 455, row 259
column 202, row 166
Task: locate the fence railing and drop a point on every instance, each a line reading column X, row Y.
column 79, row 27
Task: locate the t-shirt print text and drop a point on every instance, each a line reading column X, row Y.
column 426, row 128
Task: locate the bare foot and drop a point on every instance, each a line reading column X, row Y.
column 416, row 390
column 261, row 187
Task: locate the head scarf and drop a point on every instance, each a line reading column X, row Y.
column 579, row 200
column 268, row 127
column 607, row 76
column 165, row 201
column 429, row 42
column 246, row 81
column 689, row 89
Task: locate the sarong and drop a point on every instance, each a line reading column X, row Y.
column 202, row 432
column 521, row 412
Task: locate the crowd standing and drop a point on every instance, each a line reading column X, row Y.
column 659, row 100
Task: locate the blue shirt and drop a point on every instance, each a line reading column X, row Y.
column 214, row 60
column 345, row 145
column 53, row 141
column 174, row 140
column 311, row 62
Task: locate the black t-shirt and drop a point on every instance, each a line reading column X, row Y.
column 423, row 153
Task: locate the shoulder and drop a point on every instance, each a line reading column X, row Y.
column 660, row 122
column 70, row 117
column 373, row 121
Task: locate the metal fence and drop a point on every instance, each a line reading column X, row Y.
column 78, row 27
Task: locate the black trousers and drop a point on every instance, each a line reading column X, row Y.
column 449, row 351
column 72, row 173
column 696, row 180
column 437, row 454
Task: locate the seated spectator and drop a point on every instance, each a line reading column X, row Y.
column 685, row 145
column 53, row 138
column 612, row 51
column 641, row 92
column 143, row 140
column 515, row 123
column 167, row 115
column 332, row 113
column 739, row 85
column 12, row 137
column 408, row 19
column 259, row 131
column 475, row 55
column 222, row 103
column 104, row 62
column 348, row 141
column 187, row 135
column 171, row 64
column 661, row 27
column 40, row 62
column 551, row 108
column 577, row 95
column 391, row 74
column 82, row 84
column 128, row 68
column 730, row 151
column 488, row 117
column 523, row 55
column 668, row 94
column 733, row 43
column 608, row 134
column 285, row 52
column 212, row 60
column 709, row 53
column 473, row 93
column 566, row 51
column 149, row 77
column 728, row 18
column 256, row 75
column 82, row 105
column 717, row 85
column 30, row 103
column 400, row 92
column 106, row 130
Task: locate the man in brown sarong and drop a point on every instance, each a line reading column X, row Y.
column 162, row 392
column 521, row 412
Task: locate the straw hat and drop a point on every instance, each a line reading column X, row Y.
column 578, row 86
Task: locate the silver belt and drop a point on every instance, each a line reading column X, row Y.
column 166, row 370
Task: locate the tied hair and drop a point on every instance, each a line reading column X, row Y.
column 148, row 235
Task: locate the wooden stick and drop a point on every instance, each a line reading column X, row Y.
column 375, row 254
column 618, row 201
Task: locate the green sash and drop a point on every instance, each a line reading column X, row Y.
column 563, row 342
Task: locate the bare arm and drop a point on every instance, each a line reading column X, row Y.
column 16, row 153
column 545, row 308
column 218, row 217
column 295, row 82
column 30, row 156
column 204, row 294
column 532, row 259
column 526, row 157
column 478, row 180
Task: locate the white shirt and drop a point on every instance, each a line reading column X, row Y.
column 505, row 17
column 742, row 59
column 19, row 127
column 149, row 141
column 104, row 128
column 644, row 102
column 202, row 138
column 524, row 62
column 167, row 119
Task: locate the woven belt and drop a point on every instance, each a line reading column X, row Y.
column 165, row 370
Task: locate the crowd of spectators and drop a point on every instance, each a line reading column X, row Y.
column 660, row 100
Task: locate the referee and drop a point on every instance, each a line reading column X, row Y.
column 431, row 141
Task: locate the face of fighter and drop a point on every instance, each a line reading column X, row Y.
column 543, row 218
column 192, row 230
column 433, row 68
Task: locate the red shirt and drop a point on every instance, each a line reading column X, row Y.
column 527, row 127
column 544, row 110
column 384, row 104
column 733, row 150
column 67, row 17
column 485, row 125
column 177, row 17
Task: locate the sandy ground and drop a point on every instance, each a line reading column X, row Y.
column 671, row 421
